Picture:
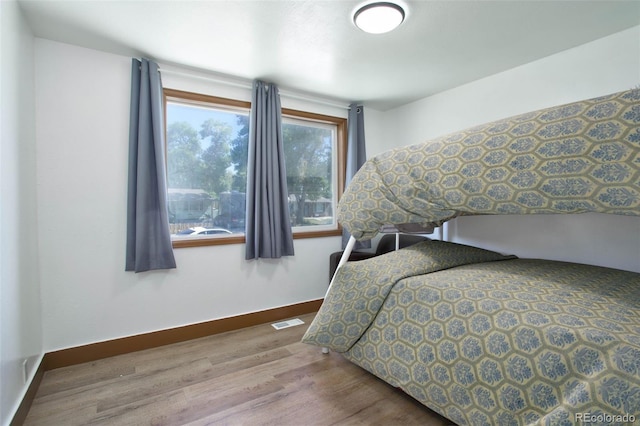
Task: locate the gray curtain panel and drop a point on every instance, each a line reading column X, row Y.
column 356, row 157
column 267, row 227
column 148, row 239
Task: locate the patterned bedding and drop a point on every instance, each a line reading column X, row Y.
column 483, row 338
column 575, row 158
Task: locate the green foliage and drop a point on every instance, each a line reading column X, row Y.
column 209, row 159
column 199, row 160
column 240, row 153
column 216, row 159
column 307, row 152
column 183, row 155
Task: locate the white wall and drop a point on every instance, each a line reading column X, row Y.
column 20, row 319
column 598, row 68
column 82, row 122
column 375, row 132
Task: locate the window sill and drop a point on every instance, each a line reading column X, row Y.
column 240, row 239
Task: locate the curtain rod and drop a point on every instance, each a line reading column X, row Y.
column 249, row 85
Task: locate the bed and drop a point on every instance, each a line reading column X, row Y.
column 483, row 337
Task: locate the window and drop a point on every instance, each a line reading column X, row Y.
column 207, row 140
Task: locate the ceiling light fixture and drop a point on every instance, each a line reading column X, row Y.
column 379, row 17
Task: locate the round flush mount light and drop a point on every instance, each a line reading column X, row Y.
column 379, row 17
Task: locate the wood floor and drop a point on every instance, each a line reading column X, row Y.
column 254, row 376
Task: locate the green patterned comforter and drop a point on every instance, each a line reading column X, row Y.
column 575, row 158
column 496, row 340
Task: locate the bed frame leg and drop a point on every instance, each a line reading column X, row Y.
column 345, row 257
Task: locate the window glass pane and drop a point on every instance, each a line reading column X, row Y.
column 206, row 169
column 309, row 149
column 207, row 152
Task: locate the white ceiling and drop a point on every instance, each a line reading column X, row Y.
column 312, row 46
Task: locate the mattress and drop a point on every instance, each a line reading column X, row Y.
column 483, row 338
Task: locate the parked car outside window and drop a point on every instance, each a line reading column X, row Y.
column 198, row 230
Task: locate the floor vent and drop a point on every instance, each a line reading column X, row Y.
column 286, row 324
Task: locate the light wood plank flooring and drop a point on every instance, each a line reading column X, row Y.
column 254, row 376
